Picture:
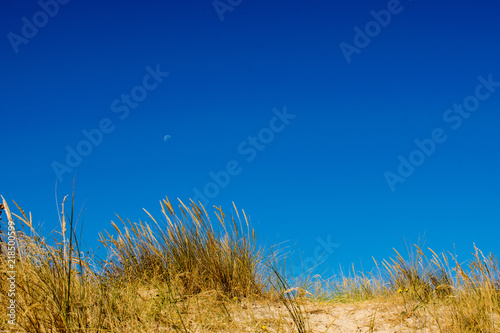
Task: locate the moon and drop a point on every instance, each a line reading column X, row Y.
column 166, row 137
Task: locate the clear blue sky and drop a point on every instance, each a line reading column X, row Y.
column 313, row 107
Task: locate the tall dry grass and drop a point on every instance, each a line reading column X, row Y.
column 189, row 249
column 459, row 297
column 189, row 273
column 184, row 274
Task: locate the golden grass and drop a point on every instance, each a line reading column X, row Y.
column 186, row 273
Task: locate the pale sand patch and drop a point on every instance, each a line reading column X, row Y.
column 368, row 316
column 205, row 314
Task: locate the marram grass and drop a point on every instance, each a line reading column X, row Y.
column 189, row 272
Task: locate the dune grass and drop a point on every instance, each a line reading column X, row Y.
column 457, row 297
column 187, row 272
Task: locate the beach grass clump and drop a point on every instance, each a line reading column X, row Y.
column 458, row 297
column 189, row 250
column 52, row 285
column 183, row 274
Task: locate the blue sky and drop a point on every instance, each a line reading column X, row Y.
column 311, row 106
